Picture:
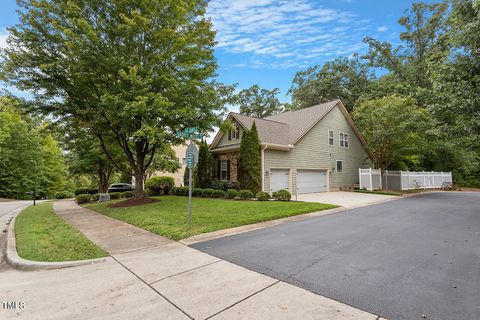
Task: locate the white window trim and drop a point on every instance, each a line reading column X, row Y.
column 340, row 140
column 336, row 166
column 333, row 138
column 233, row 133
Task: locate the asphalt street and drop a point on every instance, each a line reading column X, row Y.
column 414, row 258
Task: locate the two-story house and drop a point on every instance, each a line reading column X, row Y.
column 314, row 149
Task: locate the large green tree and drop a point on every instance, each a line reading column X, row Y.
column 342, row 78
column 249, row 166
column 258, row 102
column 456, row 88
column 134, row 71
column 165, row 160
column 86, row 157
column 30, row 158
column 395, row 129
column 423, row 44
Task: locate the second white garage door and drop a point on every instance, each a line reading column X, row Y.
column 311, row 181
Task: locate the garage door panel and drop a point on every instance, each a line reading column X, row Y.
column 311, row 181
column 279, row 179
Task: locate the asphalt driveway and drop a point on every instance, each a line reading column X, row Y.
column 403, row 259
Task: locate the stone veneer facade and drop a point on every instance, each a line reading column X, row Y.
column 233, row 157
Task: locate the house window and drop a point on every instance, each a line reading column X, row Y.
column 343, row 140
column 224, row 170
column 330, row 137
column 339, row 166
column 234, row 134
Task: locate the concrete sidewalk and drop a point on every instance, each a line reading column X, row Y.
column 152, row 277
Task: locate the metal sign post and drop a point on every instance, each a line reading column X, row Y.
column 190, row 133
column 190, row 178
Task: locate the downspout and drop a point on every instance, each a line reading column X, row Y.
column 263, row 167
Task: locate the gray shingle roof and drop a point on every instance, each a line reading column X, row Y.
column 269, row 131
column 288, row 127
column 301, row 121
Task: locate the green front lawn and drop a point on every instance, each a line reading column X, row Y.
column 168, row 217
column 41, row 235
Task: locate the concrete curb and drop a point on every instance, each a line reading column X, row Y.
column 261, row 225
column 256, row 226
column 17, row 262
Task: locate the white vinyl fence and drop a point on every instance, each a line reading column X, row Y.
column 402, row 180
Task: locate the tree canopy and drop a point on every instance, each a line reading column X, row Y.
column 257, row 102
column 30, row 158
column 134, row 71
column 342, row 78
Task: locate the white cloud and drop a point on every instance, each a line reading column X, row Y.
column 284, row 33
column 382, row 29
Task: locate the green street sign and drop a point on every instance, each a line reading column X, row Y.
column 190, row 160
column 190, row 133
column 191, row 130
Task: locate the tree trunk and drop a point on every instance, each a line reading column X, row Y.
column 102, row 178
column 139, row 185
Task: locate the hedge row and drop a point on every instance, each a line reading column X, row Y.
column 85, row 191
column 282, row 195
column 85, row 197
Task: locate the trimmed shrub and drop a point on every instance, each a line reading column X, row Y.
column 160, row 185
column 146, row 192
column 81, row 191
column 207, row 193
column 115, row 195
column 63, row 195
column 282, row 195
column 231, row 194
column 83, row 198
column 181, row 191
column 197, row 192
column 127, row 194
column 85, row 191
column 224, row 185
column 263, row 196
column 95, row 196
column 173, row 190
column 245, row 194
column 218, row 194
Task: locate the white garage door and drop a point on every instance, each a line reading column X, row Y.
column 311, row 181
column 279, row 179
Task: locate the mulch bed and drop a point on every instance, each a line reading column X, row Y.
column 132, row 202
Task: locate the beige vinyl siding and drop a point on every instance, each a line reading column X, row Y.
column 312, row 151
column 224, row 140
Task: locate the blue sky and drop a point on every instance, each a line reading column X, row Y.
column 266, row 41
